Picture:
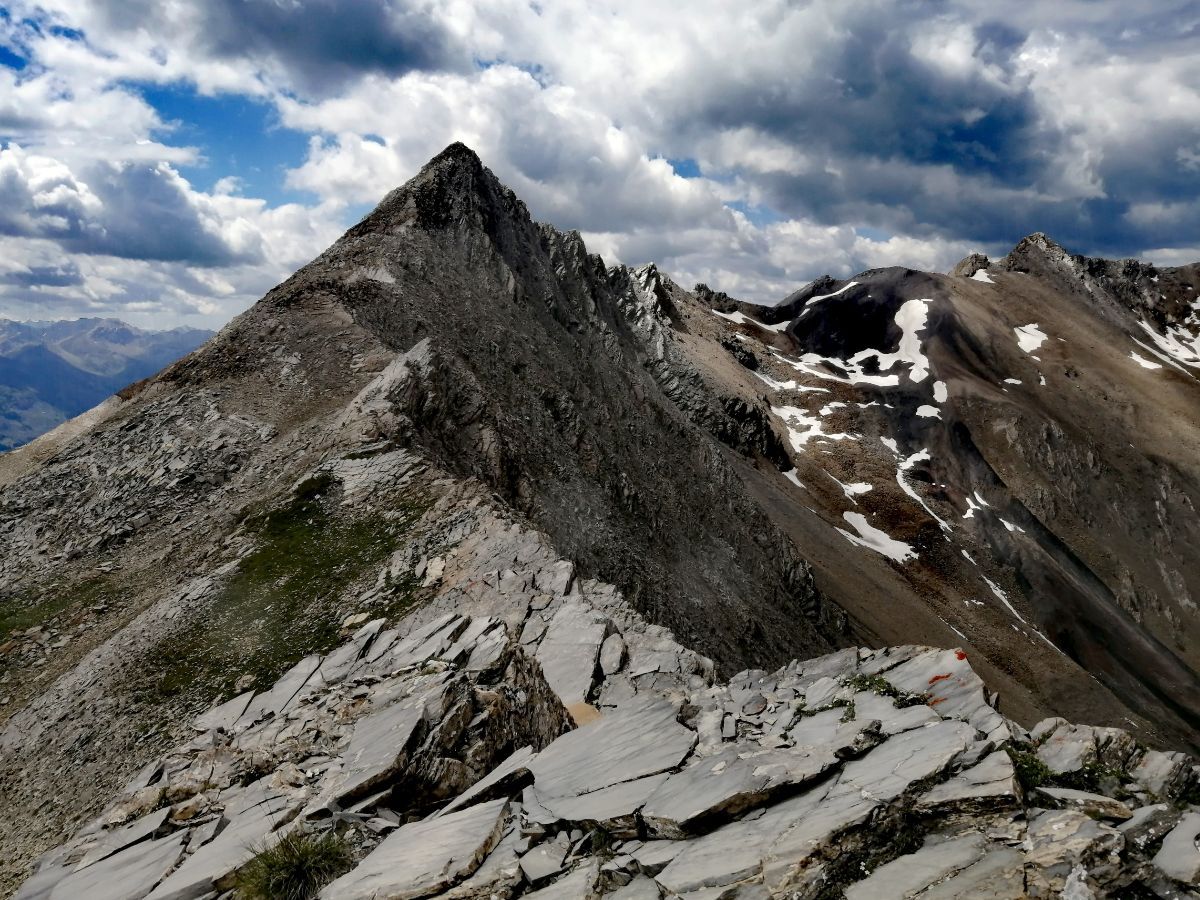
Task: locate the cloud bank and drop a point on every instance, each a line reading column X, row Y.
column 751, row 148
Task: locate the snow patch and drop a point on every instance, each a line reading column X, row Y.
column 1179, row 344
column 1012, row 380
column 1030, row 337
column 890, row 443
column 1157, row 355
column 982, row 275
column 788, row 385
column 1142, row 361
column 939, row 392
column 740, row 318
column 794, row 478
column 872, row 538
column 926, row 411
column 911, row 319
column 803, row 427
column 1003, row 597
column 851, row 490
column 811, row 300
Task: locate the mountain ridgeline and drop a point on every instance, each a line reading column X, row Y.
column 457, row 495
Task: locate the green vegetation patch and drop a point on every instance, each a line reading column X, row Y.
column 21, row 612
column 286, row 598
column 1031, row 772
column 877, row 684
column 294, row 868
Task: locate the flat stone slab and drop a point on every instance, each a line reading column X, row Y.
column 380, row 743
column 569, row 651
column 280, row 696
column 640, row 888
column 961, row 867
column 128, row 875
column 612, row 808
column 1095, row 805
column 224, row 715
column 543, row 861
column 513, row 772
column 733, row 852
column 257, row 812
column 580, row 884
column 713, row 790
column 642, row 739
column 1179, row 856
column 117, row 839
column 989, row 785
column 424, row 858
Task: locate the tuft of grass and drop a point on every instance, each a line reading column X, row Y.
column 294, row 868
column 1031, row 771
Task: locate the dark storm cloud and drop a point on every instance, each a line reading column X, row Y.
column 967, row 150
column 64, row 275
column 320, row 45
column 130, row 211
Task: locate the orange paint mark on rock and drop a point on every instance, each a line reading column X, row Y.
column 960, row 654
column 936, row 678
column 935, row 701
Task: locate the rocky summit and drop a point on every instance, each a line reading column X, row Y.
column 465, row 565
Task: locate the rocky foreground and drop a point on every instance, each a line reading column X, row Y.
column 526, row 733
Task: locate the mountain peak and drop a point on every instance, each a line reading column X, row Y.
column 456, row 154
column 453, row 190
column 1038, row 253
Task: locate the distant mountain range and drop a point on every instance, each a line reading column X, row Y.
column 53, row 371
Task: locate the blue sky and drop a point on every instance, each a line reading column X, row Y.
column 169, row 163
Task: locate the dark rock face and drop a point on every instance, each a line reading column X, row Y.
column 558, row 382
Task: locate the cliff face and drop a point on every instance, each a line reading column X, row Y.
column 458, row 494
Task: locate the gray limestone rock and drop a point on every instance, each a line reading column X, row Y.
column 253, row 814
column 644, row 738
column 424, row 858
column 1148, row 825
column 128, row 875
column 1059, row 842
column 1095, row 805
column 1165, row 775
column 570, row 649
column 612, row 808
column 544, row 861
column 966, row 866
column 1179, row 856
column 987, row 786
column 717, row 788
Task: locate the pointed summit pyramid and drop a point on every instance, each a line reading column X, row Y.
column 453, row 191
